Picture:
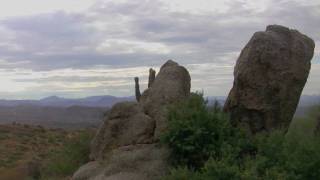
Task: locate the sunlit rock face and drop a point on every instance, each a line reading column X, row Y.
column 269, row 77
column 126, row 145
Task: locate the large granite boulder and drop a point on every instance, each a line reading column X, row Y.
column 172, row 84
column 269, row 77
column 126, row 145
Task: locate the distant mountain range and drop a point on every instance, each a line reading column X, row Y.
column 60, row 112
column 309, row 100
column 74, row 117
column 109, row 101
column 305, row 100
column 55, row 101
column 57, row 112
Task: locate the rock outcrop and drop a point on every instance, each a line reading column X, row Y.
column 137, row 89
column 268, row 79
column 127, row 124
column 152, row 77
column 172, row 84
column 126, row 145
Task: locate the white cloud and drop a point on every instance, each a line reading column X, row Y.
column 72, row 82
column 8, row 85
column 11, row 8
column 129, row 46
column 197, row 7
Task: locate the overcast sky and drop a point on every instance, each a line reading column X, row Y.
column 77, row 48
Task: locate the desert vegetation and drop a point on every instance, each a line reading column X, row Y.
column 63, row 162
column 204, row 145
column 34, row 152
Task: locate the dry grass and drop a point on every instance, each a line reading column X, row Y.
column 21, row 145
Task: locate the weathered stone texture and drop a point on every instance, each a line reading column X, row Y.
column 269, row 77
column 126, row 145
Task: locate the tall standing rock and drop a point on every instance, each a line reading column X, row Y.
column 269, row 77
column 137, row 89
column 171, row 85
column 152, row 77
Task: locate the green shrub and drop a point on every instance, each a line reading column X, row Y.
column 219, row 169
column 204, row 143
column 285, row 157
column 194, row 133
column 70, row 157
column 302, row 157
column 181, row 173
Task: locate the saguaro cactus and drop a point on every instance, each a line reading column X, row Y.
column 137, row 88
column 152, row 76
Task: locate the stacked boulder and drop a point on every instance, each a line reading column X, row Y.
column 126, row 146
column 269, row 77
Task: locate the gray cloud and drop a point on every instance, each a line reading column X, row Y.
column 145, row 33
column 61, row 40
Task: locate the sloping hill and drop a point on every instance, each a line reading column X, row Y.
column 54, row 117
column 26, row 149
